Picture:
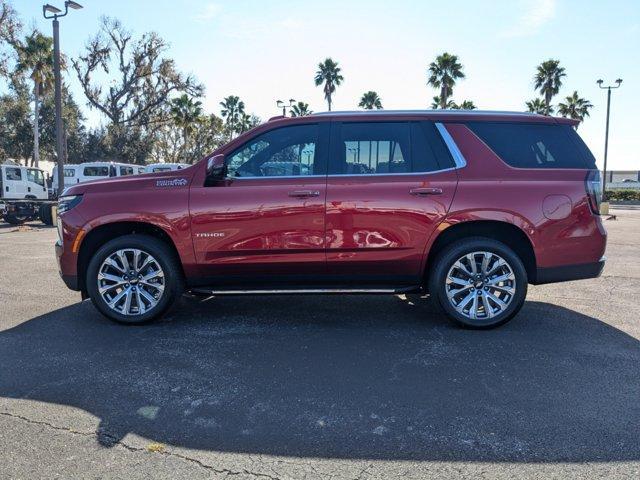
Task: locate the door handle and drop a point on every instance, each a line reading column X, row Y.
column 304, row 193
column 423, row 191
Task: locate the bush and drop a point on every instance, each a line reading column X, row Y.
column 625, row 195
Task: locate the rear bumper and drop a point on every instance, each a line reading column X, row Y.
column 567, row 273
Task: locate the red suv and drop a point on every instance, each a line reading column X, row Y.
column 467, row 206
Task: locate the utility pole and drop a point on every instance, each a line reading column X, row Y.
column 606, row 135
column 56, row 12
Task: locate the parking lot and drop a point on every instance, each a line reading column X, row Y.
column 296, row 387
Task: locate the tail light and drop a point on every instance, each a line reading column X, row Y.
column 593, row 186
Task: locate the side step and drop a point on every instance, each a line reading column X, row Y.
column 307, row 291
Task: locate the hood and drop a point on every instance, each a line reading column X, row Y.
column 159, row 180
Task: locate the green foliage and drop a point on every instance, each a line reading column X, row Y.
column 16, row 131
column 443, row 74
column 623, row 195
column 300, row 109
column 575, row 107
column 9, row 32
column 548, row 80
column 370, row 100
column 328, row 73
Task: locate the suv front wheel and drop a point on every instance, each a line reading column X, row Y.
column 134, row 279
column 478, row 282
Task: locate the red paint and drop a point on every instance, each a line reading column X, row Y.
column 371, row 226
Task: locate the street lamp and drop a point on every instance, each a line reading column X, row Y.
column 55, row 13
column 606, row 135
column 283, row 106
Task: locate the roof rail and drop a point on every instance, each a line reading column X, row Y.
column 422, row 112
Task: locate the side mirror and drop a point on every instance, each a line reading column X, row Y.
column 216, row 167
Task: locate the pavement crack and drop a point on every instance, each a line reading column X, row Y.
column 114, row 441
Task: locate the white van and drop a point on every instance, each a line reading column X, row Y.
column 18, row 183
column 85, row 172
column 165, row 167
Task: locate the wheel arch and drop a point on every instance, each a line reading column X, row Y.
column 511, row 235
column 101, row 234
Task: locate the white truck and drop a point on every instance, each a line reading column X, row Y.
column 165, row 167
column 23, row 194
column 85, row 172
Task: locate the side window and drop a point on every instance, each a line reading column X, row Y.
column 526, row 145
column 284, row 152
column 96, row 171
column 126, row 171
column 35, row 176
column 370, row 148
column 13, row 174
column 428, row 151
column 69, row 172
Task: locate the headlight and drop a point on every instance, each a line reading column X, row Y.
column 67, row 202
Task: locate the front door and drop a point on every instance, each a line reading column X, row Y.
column 389, row 186
column 265, row 223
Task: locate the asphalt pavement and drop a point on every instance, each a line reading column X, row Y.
column 306, row 387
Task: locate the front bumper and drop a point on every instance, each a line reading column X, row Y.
column 567, row 273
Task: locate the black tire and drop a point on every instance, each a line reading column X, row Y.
column 162, row 253
column 437, row 282
column 15, row 219
column 44, row 212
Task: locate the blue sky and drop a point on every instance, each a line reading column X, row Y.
column 266, row 50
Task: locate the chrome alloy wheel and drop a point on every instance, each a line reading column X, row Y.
column 480, row 285
column 131, row 281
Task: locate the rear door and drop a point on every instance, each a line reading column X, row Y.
column 389, row 186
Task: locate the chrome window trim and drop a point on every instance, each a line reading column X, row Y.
column 407, row 174
column 276, row 177
column 458, row 158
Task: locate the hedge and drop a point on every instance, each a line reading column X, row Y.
column 623, row 195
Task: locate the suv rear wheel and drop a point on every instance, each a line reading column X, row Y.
column 478, row 282
column 134, row 279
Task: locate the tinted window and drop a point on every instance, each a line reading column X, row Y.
column 69, row 172
column 35, row 176
column 370, row 148
column 13, row 174
column 96, row 171
column 429, row 151
column 289, row 151
column 126, row 170
column 525, row 145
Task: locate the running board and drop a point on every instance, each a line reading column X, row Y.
column 308, row 291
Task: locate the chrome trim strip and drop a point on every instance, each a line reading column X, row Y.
column 458, row 158
column 275, row 177
column 407, row 174
column 298, row 291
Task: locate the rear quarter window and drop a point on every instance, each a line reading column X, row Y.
column 526, row 145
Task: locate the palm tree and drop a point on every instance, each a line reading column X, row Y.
column 443, row 74
column 247, row 122
column 300, row 109
column 537, row 105
column 232, row 111
column 575, row 107
column 329, row 74
column 186, row 114
column 370, row 100
column 437, row 103
column 35, row 57
column 465, row 105
column 548, row 80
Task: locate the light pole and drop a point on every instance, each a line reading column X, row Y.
column 606, row 135
column 283, row 106
column 55, row 14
